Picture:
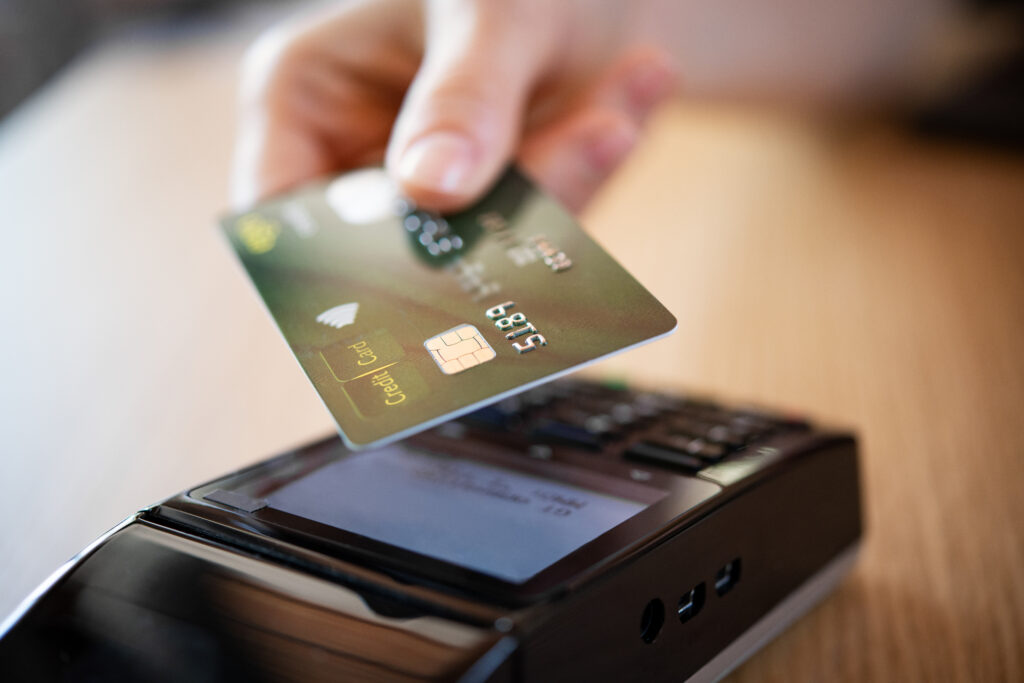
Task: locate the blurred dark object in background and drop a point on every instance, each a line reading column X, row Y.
column 988, row 109
column 38, row 37
column 978, row 96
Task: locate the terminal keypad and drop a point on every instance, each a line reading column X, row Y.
column 677, row 432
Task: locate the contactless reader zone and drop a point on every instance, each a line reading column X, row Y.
column 578, row 531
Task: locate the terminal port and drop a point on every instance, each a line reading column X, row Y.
column 652, row 620
column 691, row 603
column 728, row 576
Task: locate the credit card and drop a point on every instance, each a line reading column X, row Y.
column 403, row 319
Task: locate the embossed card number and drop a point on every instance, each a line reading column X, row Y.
column 516, row 325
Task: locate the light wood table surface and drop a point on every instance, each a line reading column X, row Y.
column 846, row 271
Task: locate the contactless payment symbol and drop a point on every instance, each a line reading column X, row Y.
column 339, row 316
column 458, row 349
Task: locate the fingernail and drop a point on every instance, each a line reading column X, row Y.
column 439, row 162
column 649, row 83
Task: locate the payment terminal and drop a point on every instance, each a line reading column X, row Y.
column 578, row 531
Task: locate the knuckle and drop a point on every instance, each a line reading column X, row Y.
column 472, row 110
column 466, row 95
column 272, row 64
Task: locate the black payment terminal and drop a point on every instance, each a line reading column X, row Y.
column 575, row 532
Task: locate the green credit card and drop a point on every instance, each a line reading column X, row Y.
column 403, row 319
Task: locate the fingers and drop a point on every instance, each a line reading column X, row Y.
column 275, row 148
column 321, row 97
column 639, row 80
column 573, row 155
column 270, row 159
column 319, row 93
column 571, row 159
column 461, row 119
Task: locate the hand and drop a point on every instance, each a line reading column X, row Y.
column 447, row 92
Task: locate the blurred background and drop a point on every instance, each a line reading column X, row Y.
column 860, row 258
column 968, row 76
column 39, row 37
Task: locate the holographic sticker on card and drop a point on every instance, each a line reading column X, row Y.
column 402, row 318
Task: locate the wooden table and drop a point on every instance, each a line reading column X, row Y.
column 844, row 270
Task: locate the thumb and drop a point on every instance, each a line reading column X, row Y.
column 460, row 122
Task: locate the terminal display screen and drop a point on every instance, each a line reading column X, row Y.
column 495, row 520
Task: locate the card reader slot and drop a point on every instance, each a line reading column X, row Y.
column 646, row 451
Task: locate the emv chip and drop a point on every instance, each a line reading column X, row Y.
column 459, row 348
